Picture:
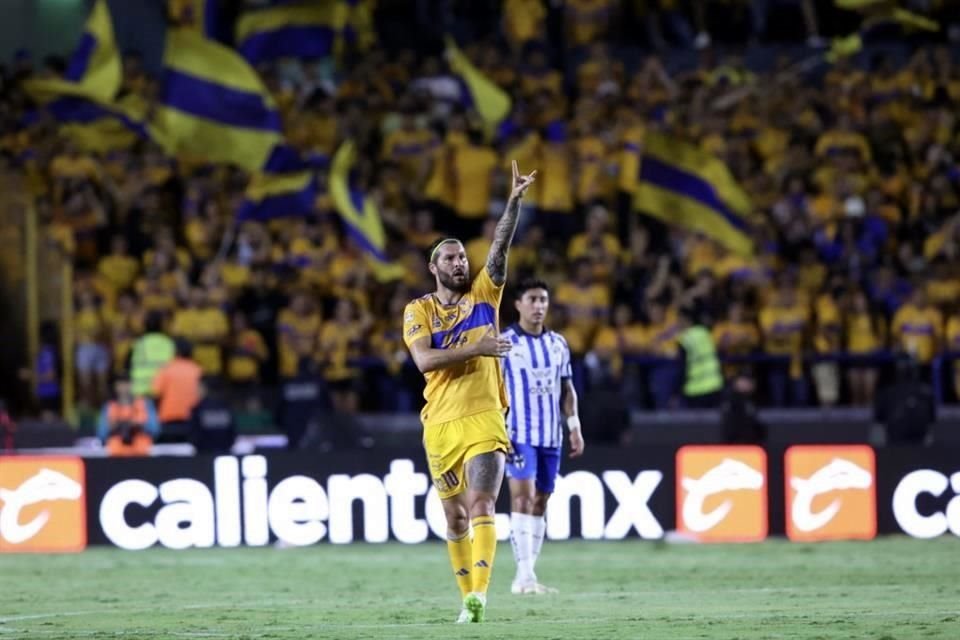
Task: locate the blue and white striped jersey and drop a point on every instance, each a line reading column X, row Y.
column 533, row 370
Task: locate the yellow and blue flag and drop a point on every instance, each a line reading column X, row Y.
column 213, row 105
column 360, row 216
column 307, row 29
column 478, row 92
column 279, row 196
column 94, row 70
column 685, row 186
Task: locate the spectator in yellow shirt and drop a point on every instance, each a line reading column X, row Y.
column 555, row 169
column 523, row 22
column 735, row 337
column 623, row 338
column 297, row 330
column 864, row 335
column 917, row 328
column 597, row 244
column 827, row 340
column 660, row 341
column 473, row 172
column 341, row 340
column 118, row 269
column 584, row 301
column 205, row 326
column 246, row 352
column 92, row 358
column 478, row 248
column 952, row 348
column 784, row 324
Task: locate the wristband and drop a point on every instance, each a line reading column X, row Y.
column 573, row 423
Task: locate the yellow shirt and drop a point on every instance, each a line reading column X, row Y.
column 591, row 155
column 206, row 329
column 296, row 338
column 736, row 338
column 864, row 334
column 588, row 19
column 828, row 323
column 918, row 331
column 586, row 306
column 88, row 325
column 440, row 183
column 470, row 387
column 249, row 350
column 613, row 343
column 783, row 330
column 628, row 160
column 953, row 335
column 523, row 20
column 477, row 250
column 119, row 271
column 942, row 291
column 660, row 339
column 473, row 174
column 555, row 175
column 337, row 345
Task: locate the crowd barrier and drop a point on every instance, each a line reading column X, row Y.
column 697, row 492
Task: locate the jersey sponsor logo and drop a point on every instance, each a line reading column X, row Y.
column 920, row 504
column 42, row 504
column 830, row 493
column 722, row 493
column 414, row 330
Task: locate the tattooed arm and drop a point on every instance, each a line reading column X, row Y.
column 503, row 236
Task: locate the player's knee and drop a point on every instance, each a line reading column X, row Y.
column 522, row 503
column 539, row 504
column 458, row 520
column 483, row 505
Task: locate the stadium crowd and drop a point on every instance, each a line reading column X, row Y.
column 851, row 167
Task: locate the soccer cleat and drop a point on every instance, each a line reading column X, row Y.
column 531, row 588
column 464, row 617
column 543, row 590
column 475, row 604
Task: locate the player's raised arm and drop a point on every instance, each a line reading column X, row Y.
column 503, row 236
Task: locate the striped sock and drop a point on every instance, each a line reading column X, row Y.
column 484, row 549
column 461, row 556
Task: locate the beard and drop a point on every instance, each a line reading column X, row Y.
column 451, row 282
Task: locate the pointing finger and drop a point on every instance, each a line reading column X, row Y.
column 516, row 169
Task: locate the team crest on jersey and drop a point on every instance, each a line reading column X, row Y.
column 465, row 306
column 408, row 317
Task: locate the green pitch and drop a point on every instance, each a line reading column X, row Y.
column 891, row 589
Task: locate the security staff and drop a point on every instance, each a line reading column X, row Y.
column 153, row 350
column 703, row 380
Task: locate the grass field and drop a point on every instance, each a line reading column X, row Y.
column 891, row 589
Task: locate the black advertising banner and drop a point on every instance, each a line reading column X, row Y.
column 305, row 498
column 706, row 493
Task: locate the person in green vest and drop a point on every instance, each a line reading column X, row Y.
column 150, row 352
column 703, row 379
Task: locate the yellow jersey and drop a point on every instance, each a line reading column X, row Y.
column 470, row 387
column 864, row 333
column 918, row 331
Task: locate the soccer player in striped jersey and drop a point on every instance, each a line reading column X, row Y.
column 541, row 392
column 452, row 337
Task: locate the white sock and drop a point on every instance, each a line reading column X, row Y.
column 539, row 533
column 521, row 538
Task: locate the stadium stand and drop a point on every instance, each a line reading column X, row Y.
column 843, row 264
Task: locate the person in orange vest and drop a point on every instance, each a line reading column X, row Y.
column 127, row 424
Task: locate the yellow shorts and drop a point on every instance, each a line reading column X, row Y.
column 449, row 445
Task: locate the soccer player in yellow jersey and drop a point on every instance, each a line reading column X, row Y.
column 453, row 339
